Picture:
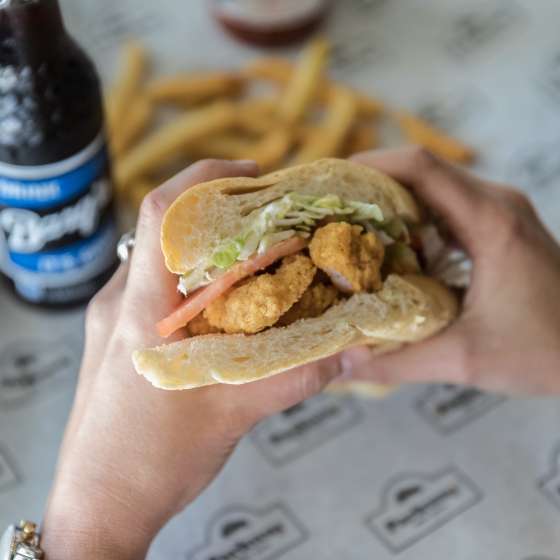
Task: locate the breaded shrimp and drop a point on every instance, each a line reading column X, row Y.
column 350, row 257
column 316, row 299
column 200, row 326
column 260, row 301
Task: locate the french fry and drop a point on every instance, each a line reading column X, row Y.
column 268, row 151
column 257, row 116
column 260, row 106
column 308, row 117
column 361, row 138
column 134, row 65
column 329, row 137
column 138, row 190
column 173, row 139
column 368, row 107
column 279, row 71
column 227, row 145
column 272, row 149
column 137, row 119
column 190, row 89
column 303, row 83
column 420, row 132
column 307, row 133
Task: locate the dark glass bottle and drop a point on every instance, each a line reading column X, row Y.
column 57, row 225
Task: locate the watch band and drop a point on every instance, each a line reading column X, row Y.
column 21, row 542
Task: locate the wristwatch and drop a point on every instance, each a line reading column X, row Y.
column 21, row 542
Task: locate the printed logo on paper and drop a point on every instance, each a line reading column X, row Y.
column 536, row 166
column 9, row 476
column 415, row 505
column 33, row 367
column 474, row 30
column 244, row 533
column 351, row 53
column 549, row 79
column 450, row 407
column 550, row 483
column 354, row 43
column 296, row 431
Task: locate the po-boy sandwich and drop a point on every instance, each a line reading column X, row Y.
column 288, row 268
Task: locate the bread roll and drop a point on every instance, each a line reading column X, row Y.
column 406, row 309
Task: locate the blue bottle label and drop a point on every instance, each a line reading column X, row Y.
column 57, row 230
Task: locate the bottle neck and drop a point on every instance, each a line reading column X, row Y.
column 30, row 29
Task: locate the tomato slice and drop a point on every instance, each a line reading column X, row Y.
column 199, row 300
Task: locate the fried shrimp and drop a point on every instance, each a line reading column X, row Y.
column 260, row 301
column 200, row 326
column 351, row 257
column 316, row 299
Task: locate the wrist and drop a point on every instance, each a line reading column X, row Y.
column 87, row 527
column 65, row 539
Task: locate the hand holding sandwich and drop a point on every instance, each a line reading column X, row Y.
column 508, row 336
column 134, row 456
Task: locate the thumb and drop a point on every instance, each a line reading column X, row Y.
column 291, row 387
column 452, row 192
column 438, row 359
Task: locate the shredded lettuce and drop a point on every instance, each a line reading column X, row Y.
column 226, row 255
column 401, row 259
column 396, row 229
column 196, row 279
column 293, row 214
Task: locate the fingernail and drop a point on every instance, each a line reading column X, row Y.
column 246, row 161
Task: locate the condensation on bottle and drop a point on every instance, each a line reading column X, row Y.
column 57, row 224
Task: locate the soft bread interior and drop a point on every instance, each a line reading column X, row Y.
column 407, row 309
column 208, row 213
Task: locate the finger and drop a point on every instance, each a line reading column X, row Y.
column 115, row 286
column 279, row 392
column 101, row 316
column 453, row 193
column 102, row 313
column 149, row 280
column 97, row 336
column 439, row 359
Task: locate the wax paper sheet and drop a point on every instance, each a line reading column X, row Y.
column 431, row 472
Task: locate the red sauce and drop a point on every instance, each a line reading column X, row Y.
column 270, row 22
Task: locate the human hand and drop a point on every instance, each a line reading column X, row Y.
column 507, row 338
column 133, row 455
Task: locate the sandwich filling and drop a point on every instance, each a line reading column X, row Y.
column 296, row 257
column 292, row 215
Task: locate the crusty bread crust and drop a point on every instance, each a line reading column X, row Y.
column 407, row 309
column 201, row 218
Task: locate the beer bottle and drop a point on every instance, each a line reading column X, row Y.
column 57, row 226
